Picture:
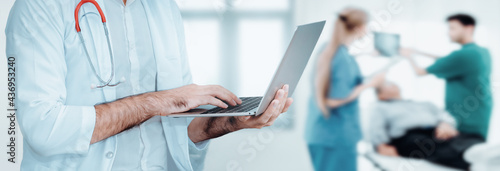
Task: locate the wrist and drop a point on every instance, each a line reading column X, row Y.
column 218, row 126
column 232, row 124
column 195, row 130
column 149, row 104
column 204, row 128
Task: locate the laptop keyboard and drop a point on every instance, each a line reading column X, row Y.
column 248, row 103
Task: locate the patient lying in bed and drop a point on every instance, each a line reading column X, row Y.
column 417, row 130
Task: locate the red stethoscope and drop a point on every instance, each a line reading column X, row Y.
column 103, row 83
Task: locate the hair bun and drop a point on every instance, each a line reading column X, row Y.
column 343, row 18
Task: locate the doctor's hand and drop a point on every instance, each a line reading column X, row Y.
column 114, row 117
column 188, row 97
column 204, row 128
column 279, row 105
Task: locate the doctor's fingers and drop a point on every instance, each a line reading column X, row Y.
column 274, row 109
column 210, row 100
column 281, row 97
column 287, row 104
column 264, row 119
column 223, row 94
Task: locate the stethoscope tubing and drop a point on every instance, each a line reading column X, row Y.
column 106, row 83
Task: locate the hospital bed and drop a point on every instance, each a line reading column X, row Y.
column 366, row 151
column 385, row 163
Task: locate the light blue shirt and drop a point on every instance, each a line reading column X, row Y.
column 54, row 97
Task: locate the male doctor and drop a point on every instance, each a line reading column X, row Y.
column 68, row 124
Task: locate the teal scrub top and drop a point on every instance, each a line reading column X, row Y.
column 342, row 128
column 468, row 94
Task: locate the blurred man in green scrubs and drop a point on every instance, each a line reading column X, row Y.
column 467, row 74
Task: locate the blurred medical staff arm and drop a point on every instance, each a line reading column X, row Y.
column 335, row 103
column 410, row 52
column 374, row 82
column 453, row 65
column 420, row 71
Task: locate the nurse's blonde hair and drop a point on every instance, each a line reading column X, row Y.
column 348, row 23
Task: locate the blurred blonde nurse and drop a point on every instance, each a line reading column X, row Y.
column 332, row 127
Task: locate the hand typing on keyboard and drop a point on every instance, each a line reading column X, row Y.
column 248, row 103
column 204, row 128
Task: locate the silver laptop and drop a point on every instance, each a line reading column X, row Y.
column 289, row 72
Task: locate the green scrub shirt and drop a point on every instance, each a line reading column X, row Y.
column 468, row 94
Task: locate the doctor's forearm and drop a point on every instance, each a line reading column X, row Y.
column 114, row 117
column 418, row 70
column 204, row 128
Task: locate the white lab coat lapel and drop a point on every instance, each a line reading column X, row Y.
column 167, row 54
column 96, row 42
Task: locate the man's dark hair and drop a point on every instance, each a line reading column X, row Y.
column 465, row 19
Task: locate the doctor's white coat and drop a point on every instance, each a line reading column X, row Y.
column 54, row 100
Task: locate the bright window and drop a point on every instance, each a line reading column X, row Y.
column 237, row 43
